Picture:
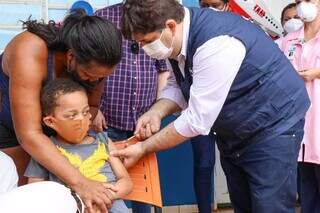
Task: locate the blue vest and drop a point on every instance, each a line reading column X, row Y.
column 267, row 96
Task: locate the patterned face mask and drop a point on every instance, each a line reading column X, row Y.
column 72, row 131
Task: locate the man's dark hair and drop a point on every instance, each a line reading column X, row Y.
column 89, row 37
column 146, row 16
column 53, row 90
column 289, row 6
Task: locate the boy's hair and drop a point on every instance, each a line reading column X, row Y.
column 53, row 90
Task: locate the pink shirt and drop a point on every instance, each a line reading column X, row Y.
column 306, row 55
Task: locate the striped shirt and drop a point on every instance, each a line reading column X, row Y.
column 132, row 88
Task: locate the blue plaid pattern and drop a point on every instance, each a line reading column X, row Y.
column 132, row 88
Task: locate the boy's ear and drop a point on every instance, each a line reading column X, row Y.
column 48, row 121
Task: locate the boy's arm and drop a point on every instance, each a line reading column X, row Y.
column 35, row 172
column 124, row 184
column 35, row 179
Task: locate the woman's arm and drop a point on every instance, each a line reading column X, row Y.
column 28, row 70
column 94, row 97
column 310, row 74
column 26, row 62
column 124, row 183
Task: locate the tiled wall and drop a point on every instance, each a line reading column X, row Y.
column 13, row 11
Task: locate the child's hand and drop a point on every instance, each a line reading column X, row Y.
column 111, row 191
column 112, row 195
column 111, row 187
column 96, row 209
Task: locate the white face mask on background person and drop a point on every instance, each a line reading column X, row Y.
column 157, row 49
column 307, row 11
column 292, row 25
column 215, row 9
column 218, row 10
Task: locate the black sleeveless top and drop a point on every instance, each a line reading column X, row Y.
column 5, row 112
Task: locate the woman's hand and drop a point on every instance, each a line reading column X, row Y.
column 94, row 193
column 309, row 74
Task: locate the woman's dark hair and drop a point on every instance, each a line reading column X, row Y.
column 89, row 37
column 289, row 6
column 53, row 90
column 145, row 16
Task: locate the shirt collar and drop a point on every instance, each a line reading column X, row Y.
column 316, row 37
column 301, row 35
column 300, row 38
column 185, row 34
column 297, row 37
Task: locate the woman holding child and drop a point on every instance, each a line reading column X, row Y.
column 85, row 49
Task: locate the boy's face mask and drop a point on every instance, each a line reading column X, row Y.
column 73, row 131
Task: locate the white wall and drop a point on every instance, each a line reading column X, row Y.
column 276, row 6
column 12, row 11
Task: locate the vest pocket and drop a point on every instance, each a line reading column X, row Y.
column 265, row 116
column 257, row 121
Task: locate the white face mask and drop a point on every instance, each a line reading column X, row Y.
column 157, row 49
column 292, row 25
column 307, row 11
column 218, row 10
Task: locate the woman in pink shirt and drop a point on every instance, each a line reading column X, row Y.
column 302, row 47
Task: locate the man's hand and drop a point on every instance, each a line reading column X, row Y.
column 93, row 192
column 147, row 125
column 99, row 122
column 310, row 74
column 130, row 155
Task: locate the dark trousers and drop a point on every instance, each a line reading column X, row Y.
column 204, row 159
column 118, row 135
column 310, row 187
column 262, row 179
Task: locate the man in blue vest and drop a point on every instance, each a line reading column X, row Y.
column 230, row 77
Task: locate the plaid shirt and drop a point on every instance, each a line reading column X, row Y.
column 132, row 88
